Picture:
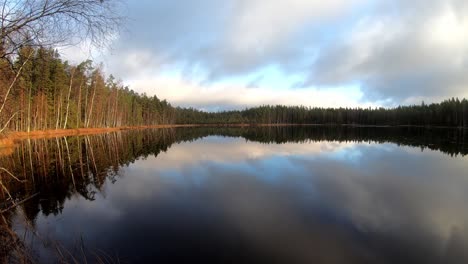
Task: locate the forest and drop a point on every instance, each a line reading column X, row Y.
column 50, row 93
column 449, row 113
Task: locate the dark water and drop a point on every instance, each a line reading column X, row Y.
column 238, row 195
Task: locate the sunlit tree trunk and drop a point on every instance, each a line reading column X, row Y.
column 68, row 98
column 92, row 103
column 59, row 113
column 78, row 110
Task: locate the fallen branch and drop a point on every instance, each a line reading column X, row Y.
column 11, row 174
column 18, row 203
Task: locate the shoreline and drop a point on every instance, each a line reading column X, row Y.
column 9, row 139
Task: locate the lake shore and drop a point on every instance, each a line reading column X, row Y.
column 9, row 139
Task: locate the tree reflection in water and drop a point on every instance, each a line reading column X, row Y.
column 57, row 168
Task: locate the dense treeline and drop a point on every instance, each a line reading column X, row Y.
column 50, row 93
column 453, row 113
column 44, row 92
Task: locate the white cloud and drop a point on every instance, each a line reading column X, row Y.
column 403, row 52
column 183, row 92
column 264, row 25
column 397, row 51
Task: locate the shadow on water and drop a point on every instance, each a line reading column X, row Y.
column 57, row 169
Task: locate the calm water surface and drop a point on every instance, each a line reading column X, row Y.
column 267, row 195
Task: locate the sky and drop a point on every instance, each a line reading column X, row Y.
column 231, row 54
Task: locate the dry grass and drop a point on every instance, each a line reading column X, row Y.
column 6, row 151
column 6, row 142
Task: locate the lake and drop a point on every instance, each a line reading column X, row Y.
column 244, row 195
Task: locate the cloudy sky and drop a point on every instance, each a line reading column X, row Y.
column 228, row 54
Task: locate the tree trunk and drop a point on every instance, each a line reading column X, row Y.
column 68, row 98
column 91, row 107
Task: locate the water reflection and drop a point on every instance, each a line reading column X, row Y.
column 204, row 194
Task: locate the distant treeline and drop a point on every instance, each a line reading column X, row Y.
column 40, row 91
column 450, row 113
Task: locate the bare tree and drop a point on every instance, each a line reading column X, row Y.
column 56, row 22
